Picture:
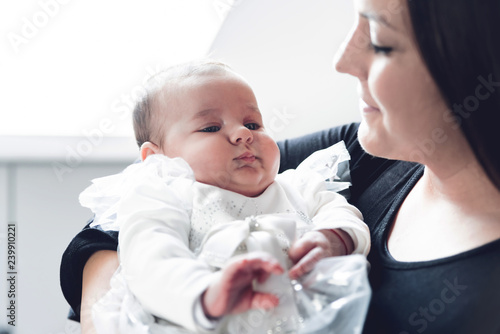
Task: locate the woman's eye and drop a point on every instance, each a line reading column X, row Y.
column 381, row 49
column 252, row 126
column 213, row 128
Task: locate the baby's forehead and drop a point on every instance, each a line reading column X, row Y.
column 178, row 84
column 181, row 88
column 180, row 74
column 177, row 90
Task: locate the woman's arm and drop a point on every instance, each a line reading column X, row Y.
column 86, row 243
column 95, row 283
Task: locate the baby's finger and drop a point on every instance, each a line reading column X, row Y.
column 300, row 248
column 307, row 263
column 263, row 268
column 250, row 299
column 264, row 301
column 260, row 262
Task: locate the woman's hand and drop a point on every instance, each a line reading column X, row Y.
column 316, row 245
column 233, row 292
column 96, row 277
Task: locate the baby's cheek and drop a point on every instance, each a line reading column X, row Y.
column 212, row 172
column 272, row 152
column 200, row 173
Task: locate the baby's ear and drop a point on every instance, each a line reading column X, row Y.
column 148, row 148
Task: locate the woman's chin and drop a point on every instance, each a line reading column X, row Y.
column 366, row 137
column 372, row 141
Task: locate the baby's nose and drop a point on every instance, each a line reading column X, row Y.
column 242, row 135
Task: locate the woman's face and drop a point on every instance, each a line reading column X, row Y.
column 402, row 110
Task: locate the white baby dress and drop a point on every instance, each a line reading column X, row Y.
column 176, row 233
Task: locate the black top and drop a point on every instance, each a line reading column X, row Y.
column 457, row 294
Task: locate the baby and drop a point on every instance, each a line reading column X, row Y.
column 207, row 228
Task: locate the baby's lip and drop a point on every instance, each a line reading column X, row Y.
column 247, row 156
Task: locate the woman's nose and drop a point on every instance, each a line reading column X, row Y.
column 350, row 56
column 241, row 135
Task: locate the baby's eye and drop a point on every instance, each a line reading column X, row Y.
column 212, row 128
column 252, row 126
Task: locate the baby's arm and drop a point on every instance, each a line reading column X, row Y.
column 333, row 212
column 316, row 245
column 339, row 230
column 160, row 269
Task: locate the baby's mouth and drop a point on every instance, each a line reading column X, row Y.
column 246, row 157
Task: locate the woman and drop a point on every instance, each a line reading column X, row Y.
column 429, row 78
column 429, row 75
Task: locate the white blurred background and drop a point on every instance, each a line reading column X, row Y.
column 70, row 71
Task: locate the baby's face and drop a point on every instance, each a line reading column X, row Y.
column 217, row 128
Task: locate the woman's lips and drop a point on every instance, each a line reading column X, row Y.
column 365, row 107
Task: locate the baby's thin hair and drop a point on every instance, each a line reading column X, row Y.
column 148, row 126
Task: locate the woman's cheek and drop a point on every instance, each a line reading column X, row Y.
column 383, row 83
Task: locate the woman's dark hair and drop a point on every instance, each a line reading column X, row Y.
column 460, row 44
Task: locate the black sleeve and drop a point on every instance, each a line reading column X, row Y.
column 364, row 168
column 84, row 244
column 294, row 151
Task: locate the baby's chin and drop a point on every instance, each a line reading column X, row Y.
column 248, row 191
column 252, row 190
column 251, row 187
column 249, row 183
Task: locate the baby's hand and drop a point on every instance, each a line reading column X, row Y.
column 314, row 246
column 233, row 292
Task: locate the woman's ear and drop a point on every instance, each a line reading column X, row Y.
column 148, row 148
